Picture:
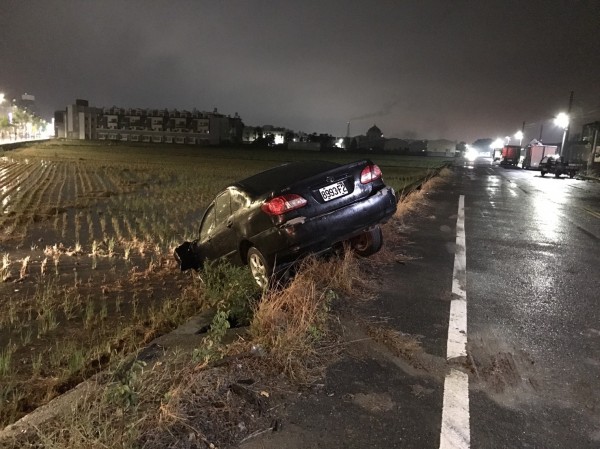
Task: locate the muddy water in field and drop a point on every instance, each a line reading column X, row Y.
column 87, row 274
column 66, row 314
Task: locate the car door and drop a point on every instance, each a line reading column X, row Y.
column 224, row 240
column 207, row 230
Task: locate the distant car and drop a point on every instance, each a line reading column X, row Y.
column 271, row 219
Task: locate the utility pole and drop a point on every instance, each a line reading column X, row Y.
column 594, row 143
column 566, row 133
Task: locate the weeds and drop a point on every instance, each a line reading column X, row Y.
column 90, row 313
column 12, row 314
column 77, row 359
column 230, row 288
column 70, row 304
column 56, row 258
column 211, row 347
column 26, row 336
column 47, row 322
column 36, row 365
column 5, row 269
column 24, row 265
column 44, row 267
column 111, row 246
column 6, row 361
column 103, row 311
column 127, row 251
column 124, row 392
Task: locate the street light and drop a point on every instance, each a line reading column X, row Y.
column 519, row 136
column 562, row 120
column 498, row 143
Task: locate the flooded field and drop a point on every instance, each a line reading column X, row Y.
column 87, row 234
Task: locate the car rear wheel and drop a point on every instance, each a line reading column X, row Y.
column 260, row 267
column 368, row 243
column 543, row 172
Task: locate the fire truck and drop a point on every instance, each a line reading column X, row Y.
column 511, row 154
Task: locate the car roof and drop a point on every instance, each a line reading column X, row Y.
column 284, row 175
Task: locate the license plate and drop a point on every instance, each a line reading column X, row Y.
column 333, row 191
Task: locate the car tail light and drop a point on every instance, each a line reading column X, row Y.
column 370, row 173
column 282, row 204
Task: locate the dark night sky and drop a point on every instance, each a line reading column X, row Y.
column 420, row 69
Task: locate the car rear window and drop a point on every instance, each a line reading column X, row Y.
column 284, row 175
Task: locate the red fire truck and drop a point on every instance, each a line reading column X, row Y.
column 510, row 155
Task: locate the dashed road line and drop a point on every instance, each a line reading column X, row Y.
column 455, row 432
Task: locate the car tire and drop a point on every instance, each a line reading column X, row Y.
column 260, row 267
column 543, row 173
column 368, row 243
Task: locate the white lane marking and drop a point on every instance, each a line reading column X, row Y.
column 455, row 417
column 457, row 328
column 456, row 433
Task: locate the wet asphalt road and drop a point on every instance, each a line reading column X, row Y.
column 533, row 283
column 533, row 320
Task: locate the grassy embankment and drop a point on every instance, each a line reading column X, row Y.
column 86, row 243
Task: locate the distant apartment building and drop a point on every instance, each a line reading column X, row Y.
column 79, row 121
column 27, row 102
column 148, row 125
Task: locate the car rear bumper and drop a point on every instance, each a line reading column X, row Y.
column 303, row 235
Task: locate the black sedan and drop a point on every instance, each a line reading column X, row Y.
column 271, row 219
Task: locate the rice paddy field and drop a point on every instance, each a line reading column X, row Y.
column 87, row 232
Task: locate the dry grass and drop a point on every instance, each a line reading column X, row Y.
column 396, row 231
column 177, row 402
column 292, row 323
column 414, row 200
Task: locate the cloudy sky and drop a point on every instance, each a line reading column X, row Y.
column 420, row 69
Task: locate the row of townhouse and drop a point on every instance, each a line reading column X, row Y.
column 84, row 122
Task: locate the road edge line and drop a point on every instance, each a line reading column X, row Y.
column 455, row 431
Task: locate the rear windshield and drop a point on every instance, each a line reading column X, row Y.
column 278, row 177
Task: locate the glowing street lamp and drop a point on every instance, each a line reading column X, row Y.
column 498, row 143
column 519, row 136
column 562, row 121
